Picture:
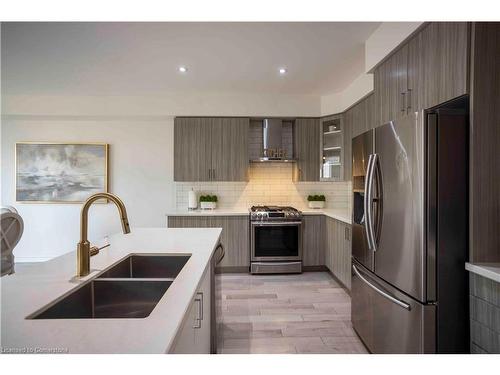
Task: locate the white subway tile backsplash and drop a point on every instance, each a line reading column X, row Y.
column 269, row 184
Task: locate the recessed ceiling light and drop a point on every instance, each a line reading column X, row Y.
column 282, row 71
column 182, row 69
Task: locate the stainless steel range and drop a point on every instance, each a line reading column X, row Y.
column 275, row 239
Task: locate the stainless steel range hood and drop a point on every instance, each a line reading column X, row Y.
column 273, row 149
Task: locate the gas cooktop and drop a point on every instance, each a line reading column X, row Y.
column 258, row 213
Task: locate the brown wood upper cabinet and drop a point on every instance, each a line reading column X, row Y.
column 360, row 116
column 354, row 121
column 431, row 68
column 334, row 144
column 390, row 83
column 306, row 146
column 211, row 149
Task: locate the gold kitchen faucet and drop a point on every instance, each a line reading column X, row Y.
column 83, row 250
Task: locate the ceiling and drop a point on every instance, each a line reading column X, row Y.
column 143, row 58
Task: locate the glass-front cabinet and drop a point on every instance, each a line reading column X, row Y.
column 332, row 151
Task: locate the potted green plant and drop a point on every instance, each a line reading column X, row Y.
column 316, row 201
column 208, row 202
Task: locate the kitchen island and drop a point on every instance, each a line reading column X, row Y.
column 39, row 284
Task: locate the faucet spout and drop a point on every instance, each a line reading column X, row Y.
column 83, row 247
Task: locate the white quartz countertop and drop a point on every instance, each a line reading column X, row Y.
column 489, row 270
column 341, row 214
column 41, row 283
column 215, row 212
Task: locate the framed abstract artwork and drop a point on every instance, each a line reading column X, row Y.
column 60, row 172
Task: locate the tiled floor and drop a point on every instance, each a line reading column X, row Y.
column 306, row 313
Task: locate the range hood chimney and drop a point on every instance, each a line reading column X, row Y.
column 272, row 136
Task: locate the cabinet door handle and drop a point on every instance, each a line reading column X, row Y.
column 209, row 174
column 199, row 300
column 403, row 107
column 408, row 100
column 213, row 174
column 200, row 294
column 222, row 254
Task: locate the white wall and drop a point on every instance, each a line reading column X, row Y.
column 385, row 39
column 172, row 104
column 339, row 102
column 140, row 172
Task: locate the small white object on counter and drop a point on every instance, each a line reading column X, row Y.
column 489, row 270
column 26, row 292
column 192, row 200
column 316, row 204
column 208, row 205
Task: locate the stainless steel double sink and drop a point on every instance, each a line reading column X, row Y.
column 129, row 289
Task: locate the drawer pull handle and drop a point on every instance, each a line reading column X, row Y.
column 199, row 300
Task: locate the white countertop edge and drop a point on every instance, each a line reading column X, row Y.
column 215, row 212
column 341, row 214
column 489, row 270
column 338, row 214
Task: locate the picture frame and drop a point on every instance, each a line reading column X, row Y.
column 60, row 172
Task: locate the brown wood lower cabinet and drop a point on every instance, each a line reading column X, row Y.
column 234, row 237
column 325, row 242
column 338, row 250
column 313, row 243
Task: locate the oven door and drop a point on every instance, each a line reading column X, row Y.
column 272, row 241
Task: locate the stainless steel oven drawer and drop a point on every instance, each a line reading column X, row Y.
column 276, row 267
column 387, row 320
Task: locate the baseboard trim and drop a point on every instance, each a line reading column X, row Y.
column 232, row 269
column 321, row 268
column 347, row 290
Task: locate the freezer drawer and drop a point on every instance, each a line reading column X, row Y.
column 387, row 320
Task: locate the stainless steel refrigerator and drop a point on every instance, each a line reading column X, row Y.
column 410, row 234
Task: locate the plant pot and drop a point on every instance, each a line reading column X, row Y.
column 316, row 204
column 208, row 205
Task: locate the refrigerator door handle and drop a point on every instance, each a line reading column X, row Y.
column 380, row 291
column 366, row 210
column 369, row 202
column 378, row 200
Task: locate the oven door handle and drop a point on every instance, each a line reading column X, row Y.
column 280, row 224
